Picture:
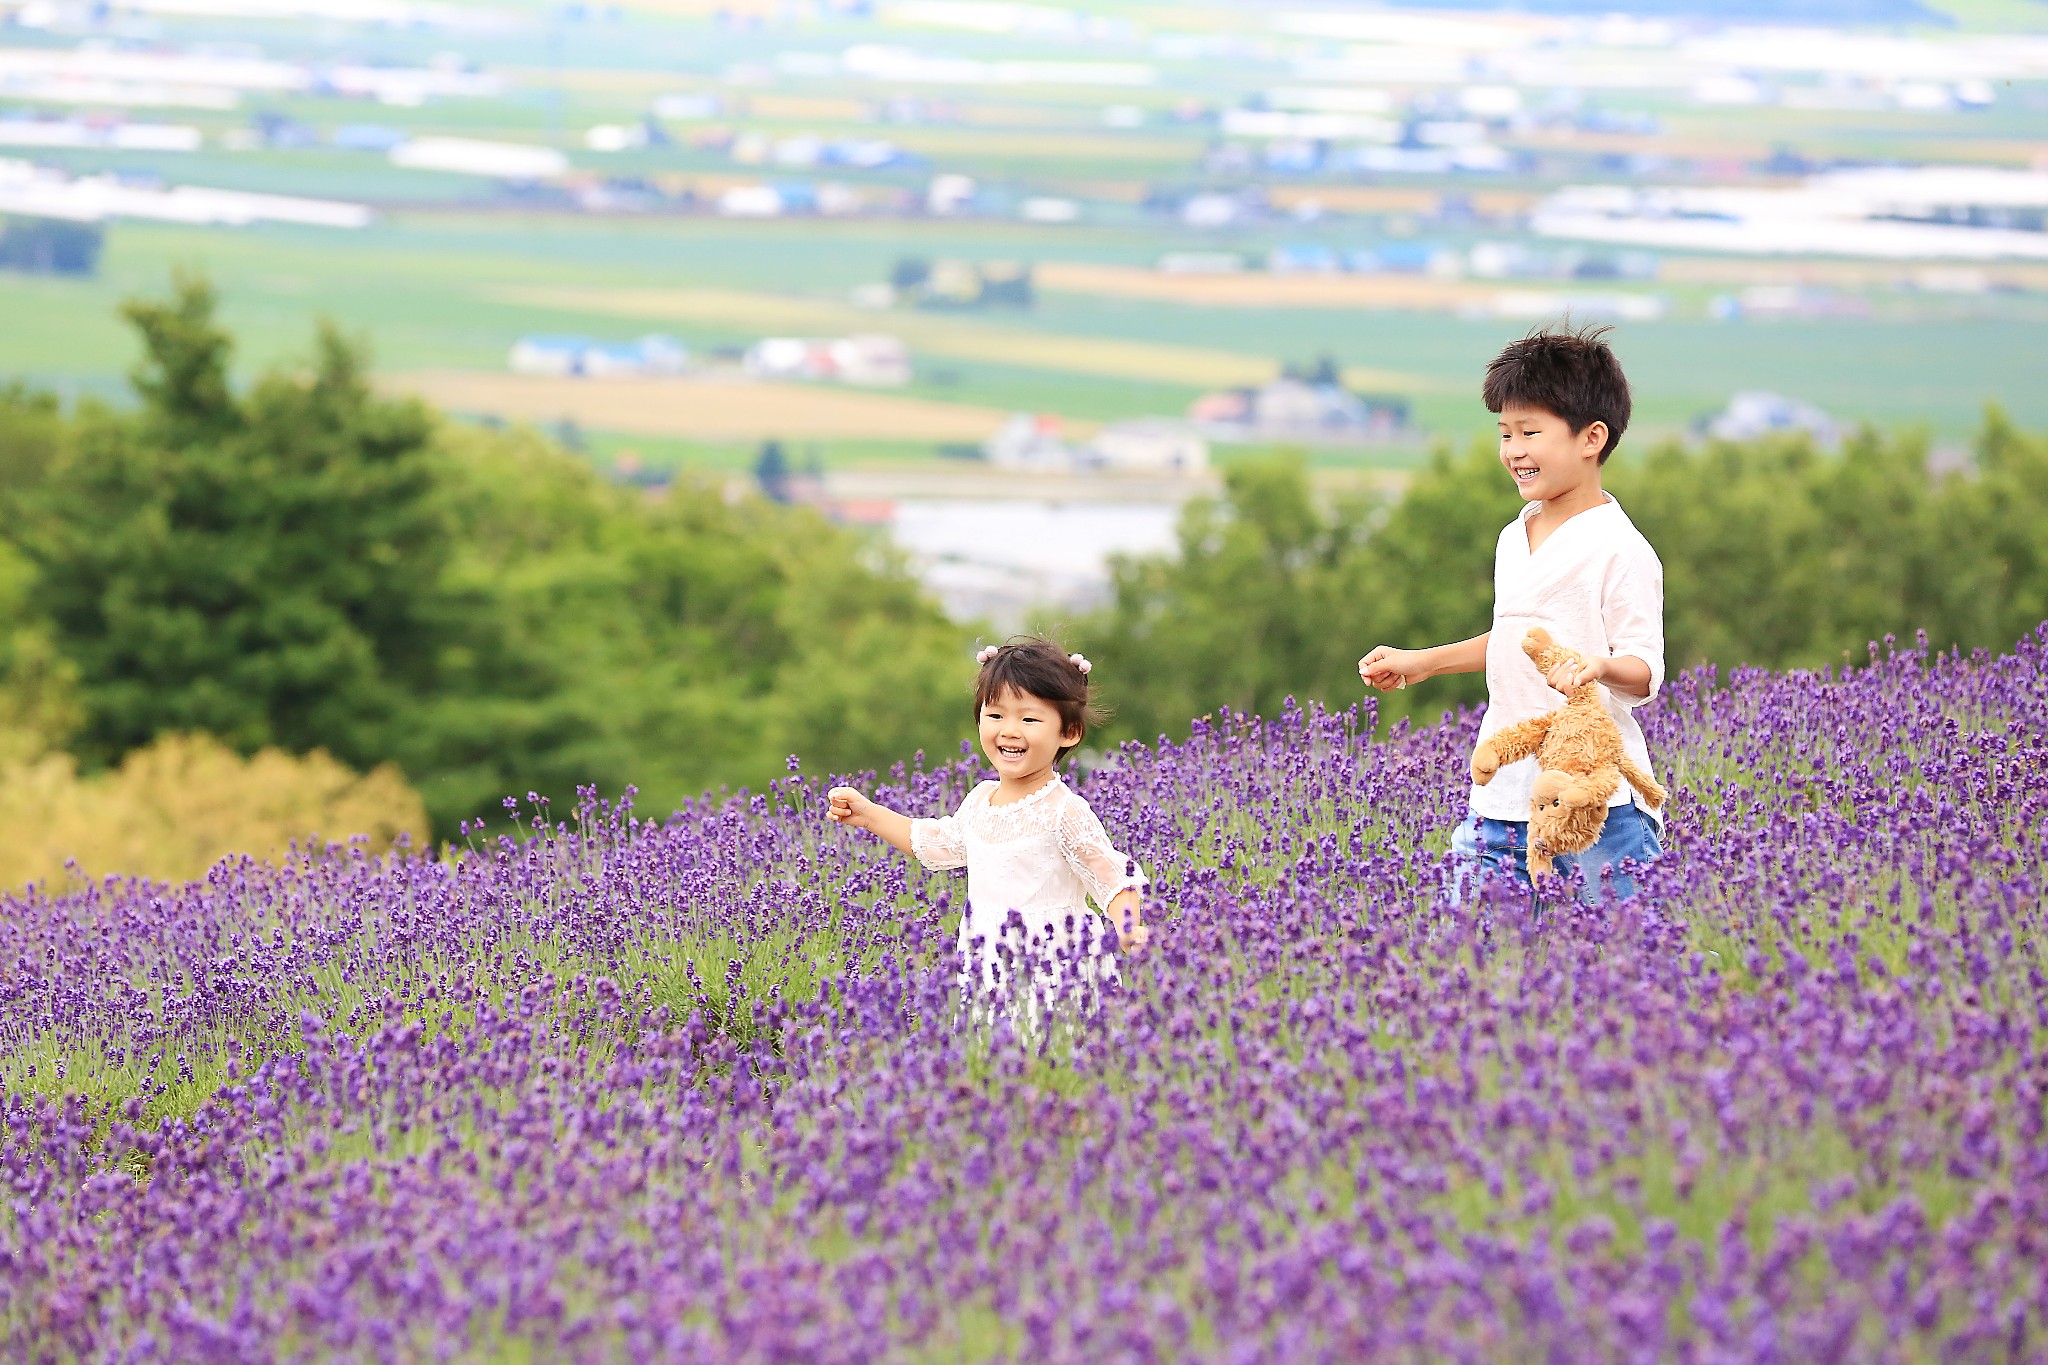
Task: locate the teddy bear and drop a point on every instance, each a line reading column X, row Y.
column 1578, row 751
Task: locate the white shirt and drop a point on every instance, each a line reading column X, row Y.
column 1597, row 587
column 1042, row 857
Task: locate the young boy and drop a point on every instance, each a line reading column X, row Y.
column 1573, row 563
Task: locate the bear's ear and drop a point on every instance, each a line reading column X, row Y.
column 1578, row 794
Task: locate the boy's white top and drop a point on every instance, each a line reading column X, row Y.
column 1597, row 587
column 1041, row 856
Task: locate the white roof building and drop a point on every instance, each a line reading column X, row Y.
column 1147, row 446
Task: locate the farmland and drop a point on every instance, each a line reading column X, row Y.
column 448, row 291
column 1123, row 120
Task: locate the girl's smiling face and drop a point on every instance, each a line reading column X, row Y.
column 1022, row 735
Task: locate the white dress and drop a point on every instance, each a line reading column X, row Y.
column 1032, row 866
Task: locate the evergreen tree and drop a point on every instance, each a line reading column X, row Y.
column 263, row 568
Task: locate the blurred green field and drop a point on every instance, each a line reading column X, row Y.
column 453, row 290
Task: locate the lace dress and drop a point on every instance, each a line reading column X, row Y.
column 1032, row 866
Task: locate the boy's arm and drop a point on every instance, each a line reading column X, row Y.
column 1632, row 608
column 1387, row 668
column 1623, row 674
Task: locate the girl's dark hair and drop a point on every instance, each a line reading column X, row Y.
column 1572, row 373
column 1037, row 667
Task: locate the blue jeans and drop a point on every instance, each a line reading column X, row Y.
column 1482, row 848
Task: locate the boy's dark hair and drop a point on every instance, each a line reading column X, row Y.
column 1570, row 372
column 1037, row 667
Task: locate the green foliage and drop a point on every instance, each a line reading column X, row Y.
column 1775, row 554
column 263, row 569
column 312, row 566
column 1270, row 596
column 674, row 643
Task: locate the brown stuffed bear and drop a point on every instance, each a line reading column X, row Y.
column 1578, row 750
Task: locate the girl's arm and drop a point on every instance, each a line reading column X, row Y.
column 1386, row 667
column 850, row 807
column 1111, row 878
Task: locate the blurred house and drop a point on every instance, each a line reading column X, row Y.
column 956, row 284
column 949, row 195
column 1146, row 445
column 1755, row 412
column 751, row 201
column 579, row 355
column 1030, row 441
column 50, row 246
column 1298, row 409
column 868, row 359
column 366, row 137
column 1034, row 442
column 1200, row 263
column 477, row 156
column 1049, row 209
column 1405, row 258
column 1302, row 258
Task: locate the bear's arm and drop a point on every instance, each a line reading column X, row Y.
column 1510, row 745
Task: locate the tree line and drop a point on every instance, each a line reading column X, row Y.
column 312, row 565
column 1775, row 554
column 305, row 564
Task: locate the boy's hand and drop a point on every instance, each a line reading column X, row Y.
column 1573, row 673
column 1388, row 668
column 845, row 806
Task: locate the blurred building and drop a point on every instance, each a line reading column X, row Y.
column 1034, row 442
column 1297, row 409
column 579, row 355
column 1755, row 412
column 869, row 359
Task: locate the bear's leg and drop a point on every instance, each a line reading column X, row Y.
column 1645, row 786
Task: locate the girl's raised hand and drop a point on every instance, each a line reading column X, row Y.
column 845, row 806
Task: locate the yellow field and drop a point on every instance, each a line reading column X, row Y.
column 936, row 334
column 723, row 409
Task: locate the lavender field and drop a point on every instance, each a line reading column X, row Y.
column 693, row 1088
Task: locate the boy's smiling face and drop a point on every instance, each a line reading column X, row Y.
column 1544, row 456
column 1022, row 734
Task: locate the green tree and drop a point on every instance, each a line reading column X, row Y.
column 263, row 568
column 1775, row 554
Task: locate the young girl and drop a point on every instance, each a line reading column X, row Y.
column 1033, row 849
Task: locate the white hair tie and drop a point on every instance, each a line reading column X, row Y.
column 986, row 653
column 1079, row 662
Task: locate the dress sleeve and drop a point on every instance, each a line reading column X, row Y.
column 1085, row 845
column 937, row 843
column 1632, row 610
column 940, row 844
